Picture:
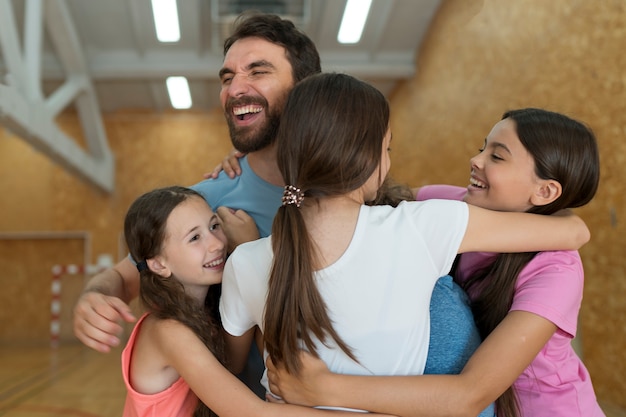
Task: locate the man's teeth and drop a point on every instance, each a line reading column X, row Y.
column 215, row 263
column 477, row 183
column 238, row 111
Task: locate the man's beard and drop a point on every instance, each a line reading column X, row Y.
column 254, row 138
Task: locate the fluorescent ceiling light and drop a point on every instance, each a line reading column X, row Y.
column 178, row 89
column 166, row 20
column 353, row 21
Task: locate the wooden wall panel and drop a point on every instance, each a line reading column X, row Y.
column 482, row 58
column 26, row 279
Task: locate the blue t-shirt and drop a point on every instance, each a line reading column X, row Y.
column 247, row 192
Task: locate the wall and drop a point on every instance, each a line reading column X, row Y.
column 482, row 58
column 478, row 60
column 151, row 150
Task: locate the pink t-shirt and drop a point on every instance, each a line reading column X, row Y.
column 556, row 383
column 176, row 401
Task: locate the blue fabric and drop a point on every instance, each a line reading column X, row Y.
column 453, row 333
column 247, row 192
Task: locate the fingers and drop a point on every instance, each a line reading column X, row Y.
column 98, row 319
column 272, row 377
column 274, row 398
column 234, row 218
column 230, row 164
column 226, row 215
column 238, row 226
column 269, row 364
column 215, row 173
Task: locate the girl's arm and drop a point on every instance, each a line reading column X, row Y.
column 496, row 231
column 497, row 363
column 215, row 385
column 238, row 349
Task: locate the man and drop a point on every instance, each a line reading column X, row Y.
column 263, row 59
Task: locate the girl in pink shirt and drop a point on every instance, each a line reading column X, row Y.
column 525, row 305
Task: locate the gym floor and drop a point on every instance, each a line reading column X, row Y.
column 72, row 381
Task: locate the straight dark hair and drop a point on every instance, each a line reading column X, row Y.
column 329, row 143
column 165, row 298
column 563, row 150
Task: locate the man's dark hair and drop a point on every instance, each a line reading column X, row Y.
column 301, row 51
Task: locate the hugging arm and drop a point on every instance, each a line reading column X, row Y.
column 216, row 387
column 496, row 231
column 497, row 363
column 103, row 306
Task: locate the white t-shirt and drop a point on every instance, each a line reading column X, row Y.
column 377, row 293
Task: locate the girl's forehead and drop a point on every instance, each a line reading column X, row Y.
column 189, row 211
column 503, row 131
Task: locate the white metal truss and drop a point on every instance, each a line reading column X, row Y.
column 24, row 109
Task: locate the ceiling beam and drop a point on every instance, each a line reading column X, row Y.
column 151, row 65
column 26, row 112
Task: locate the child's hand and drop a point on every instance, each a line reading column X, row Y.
column 304, row 388
column 230, row 165
column 238, row 227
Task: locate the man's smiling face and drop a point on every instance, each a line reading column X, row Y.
column 256, row 78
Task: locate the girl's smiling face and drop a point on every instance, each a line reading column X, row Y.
column 503, row 173
column 194, row 249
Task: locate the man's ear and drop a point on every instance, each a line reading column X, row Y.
column 157, row 266
column 547, row 191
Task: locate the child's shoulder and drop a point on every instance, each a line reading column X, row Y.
column 162, row 328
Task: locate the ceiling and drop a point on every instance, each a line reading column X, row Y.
column 102, row 56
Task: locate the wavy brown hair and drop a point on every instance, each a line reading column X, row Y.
column 165, row 298
column 563, row 150
column 329, row 143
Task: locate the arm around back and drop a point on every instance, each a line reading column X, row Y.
column 103, row 306
column 495, row 231
column 215, row 385
column 495, row 365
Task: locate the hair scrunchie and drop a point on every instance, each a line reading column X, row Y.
column 292, row 195
column 142, row 266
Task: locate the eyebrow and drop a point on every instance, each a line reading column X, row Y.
column 501, row 146
column 192, row 230
column 252, row 65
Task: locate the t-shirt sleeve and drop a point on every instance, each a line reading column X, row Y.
column 551, row 286
column 444, row 192
column 441, row 224
column 235, row 316
column 211, row 189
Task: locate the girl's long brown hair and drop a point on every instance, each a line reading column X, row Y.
column 329, row 143
column 165, row 298
column 563, row 150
